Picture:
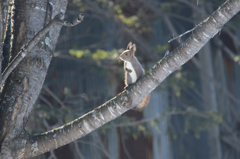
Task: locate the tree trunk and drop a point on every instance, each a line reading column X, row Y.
column 160, row 138
column 24, row 84
column 225, row 105
column 209, row 99
column 3, row 24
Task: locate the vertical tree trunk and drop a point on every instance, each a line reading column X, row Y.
column 3, row 23
column 209, row 97
column 25, row 82
column 113, row 143
column 161, row 140
column 224, row 104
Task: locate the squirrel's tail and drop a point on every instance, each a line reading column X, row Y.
column 143, row 103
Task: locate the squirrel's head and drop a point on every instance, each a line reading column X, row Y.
column 129, row 53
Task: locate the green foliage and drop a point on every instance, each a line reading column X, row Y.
column 215, row 117
column 180, row 81
column 135, row 131
column 77, row 53
column 68, row 117
column 237, row 59
column 171, row 131
column 161, row 49
column 129, row 21
column 82, row 6
column 67, row 91
column 155, row 123
column 52, row 114
column 99, row 54
column 117, row 9
column 127, row 129
column 183, row 152
column 195, row 121
column 198, row 121
column 136, row 19
column 174, row 84
column 167, row 6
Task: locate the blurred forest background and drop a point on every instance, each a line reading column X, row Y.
column 194, row 113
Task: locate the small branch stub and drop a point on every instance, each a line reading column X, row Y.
column 73, row 23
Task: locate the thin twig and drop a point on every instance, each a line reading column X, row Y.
column 80, row 155
column 24, row 51
column 125, row 148
column 173, row 112
column 98, row 140
column 174, row 38
column 46, row 101
column 54, row 96
column 73, row 23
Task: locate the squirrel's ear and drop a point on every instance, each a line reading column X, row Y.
column 129, row 46
column 133, row 49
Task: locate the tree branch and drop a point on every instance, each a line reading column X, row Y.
column 24, row 51
column 179, row 36
column 135, row 93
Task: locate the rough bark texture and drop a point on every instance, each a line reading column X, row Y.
column 25, row 82
column 26, row 48
column 3, row 22
column 134, row 94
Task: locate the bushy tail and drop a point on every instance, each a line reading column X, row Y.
column 143, row 103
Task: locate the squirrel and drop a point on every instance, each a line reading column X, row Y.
column 133, row 71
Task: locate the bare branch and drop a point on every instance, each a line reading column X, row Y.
column 125, row 148
column 184, row 33
column 73, row 23
column 194, row 7
column 24, row 51
column 129, row 32
column 54, row 96
column 80, row 155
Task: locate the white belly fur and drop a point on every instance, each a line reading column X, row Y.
column 133, row 73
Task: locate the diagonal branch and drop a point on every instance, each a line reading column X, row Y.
column 24, row 51
column 135, row 93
